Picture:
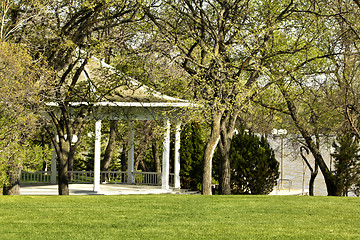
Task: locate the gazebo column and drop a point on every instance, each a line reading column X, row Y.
column 177, row 157
column 97, row 156
column 166, row 156
column 130, row 168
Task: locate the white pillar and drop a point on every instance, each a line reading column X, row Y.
column 97, row 156
column 166, row 157
column 130, row 168
column 53, row 165
column 177, row 157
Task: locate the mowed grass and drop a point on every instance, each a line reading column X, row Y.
column 179, row 217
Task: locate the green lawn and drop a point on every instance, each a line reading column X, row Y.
column 179, row 217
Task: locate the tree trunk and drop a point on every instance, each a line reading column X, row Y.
column 13, row 187
column 209, row 152
column 62, row 141
column 139, row 161
column 328, row 176
column 71, row 157
column 105, row 163
column 143, row 146
column 227, row 133
column 63, row 169
column 123, row 158
column 70, row 167
column 65, row 152
column 312, row 179
column 63, row 178
column 313, row 173
column 155, row 152
column 225, row 177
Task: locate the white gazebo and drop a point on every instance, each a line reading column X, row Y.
column 132, row 102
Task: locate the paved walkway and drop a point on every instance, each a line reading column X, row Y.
column 121, row 189
column 291, row 192
column 87, row 189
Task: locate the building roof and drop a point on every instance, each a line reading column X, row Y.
column 128, row 89
column 126, row 97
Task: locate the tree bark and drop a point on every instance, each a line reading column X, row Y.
column 313, row 173
column 63, row 180
column 226, row 136
column 123, row 158
column 312, row 179
column 328, row 176
column 225, row 175
column 155, row 152
column 70, row 166
column 105, row 163
column 143, row 146
column 209, row 152
column 65, row 151
column 13, row 187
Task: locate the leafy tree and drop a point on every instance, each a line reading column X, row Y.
column 345, row 64
column 338, row 85
column 346, row 159
column 357, row 2
column 295, row 108
column 67, row 34
column 309, row 93
column 227, row 48
column 20, row 87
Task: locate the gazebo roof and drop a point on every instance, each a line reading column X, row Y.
column 131, row 99
column 130, row 90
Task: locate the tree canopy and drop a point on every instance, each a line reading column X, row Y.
column 20, row 94
column 298, row 60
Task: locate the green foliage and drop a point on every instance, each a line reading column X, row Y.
column 26, row 157
column 191, row 155
column 346, row 160
column 254, row 169
column 19, row 94
column 154, row 71
column 84, row 156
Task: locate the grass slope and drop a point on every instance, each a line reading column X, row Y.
column 179, row 217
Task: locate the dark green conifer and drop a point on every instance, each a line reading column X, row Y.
column 191, row 155
column 346, row 161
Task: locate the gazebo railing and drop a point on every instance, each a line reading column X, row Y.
column 113, row 177
column 118, row 177
column 35, row 177
column 81, row 176
column 147, row 178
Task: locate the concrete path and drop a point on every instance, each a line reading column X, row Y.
column 87, row 189
column 291, row 192
column 122, row 189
